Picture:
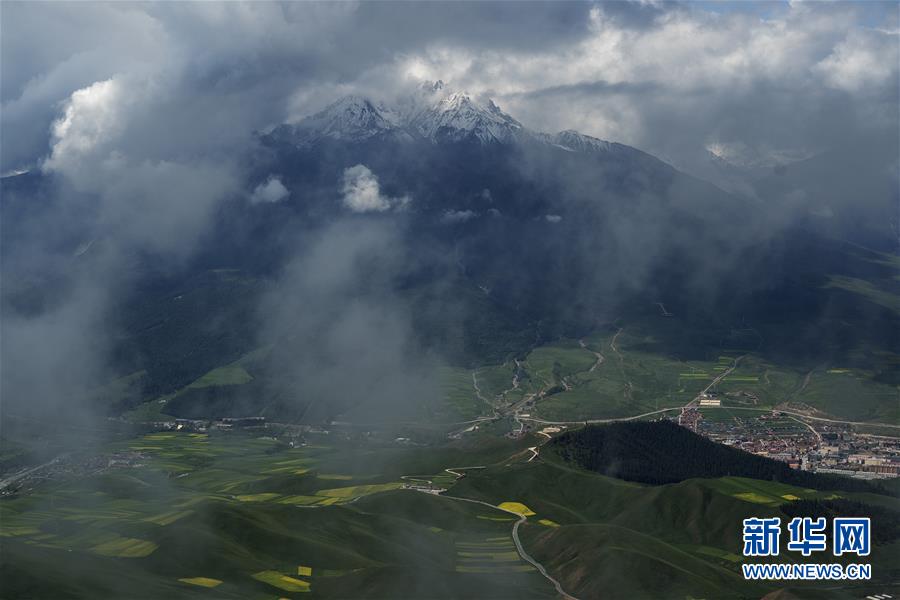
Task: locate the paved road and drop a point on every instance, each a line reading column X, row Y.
column 593, row 421
column 803, row 416
column 810, row 427
column 519, row 548
column 663, row 410
column 515, row 530
column 600, row 357
column 723, row 375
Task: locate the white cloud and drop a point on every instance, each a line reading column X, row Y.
column 671, row 79
column 553, row 218
column 270, row 191
column 690, row 76
column 865, row 59
column 452, row 217
column 362, row 193
column 140, row 201
column 91, row 118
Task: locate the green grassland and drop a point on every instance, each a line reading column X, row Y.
column 852, row 394
column 460, row 401
column 230, row 375
column 627, row 383
column 636, row 378
column 236, row 516
column 641, row 372
column 549, row 365
column 684, row 538
column 494, row 380
column 246, row 511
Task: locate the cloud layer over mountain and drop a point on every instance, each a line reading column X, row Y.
column 670, row 78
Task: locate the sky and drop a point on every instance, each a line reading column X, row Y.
column 171, row 82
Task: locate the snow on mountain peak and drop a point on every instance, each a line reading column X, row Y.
column 348, row 118
column 458, row 116
column 579, row 142
column 431, row 112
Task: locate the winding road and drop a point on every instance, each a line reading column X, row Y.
column 478, row 390
column 515, row 530
column 519, row 548
column 600, row 357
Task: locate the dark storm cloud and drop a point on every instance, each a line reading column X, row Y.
column 671, row 78
column 220, row 71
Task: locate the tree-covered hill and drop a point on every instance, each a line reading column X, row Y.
column 661, row 452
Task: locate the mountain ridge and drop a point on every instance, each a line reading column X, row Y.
column 432, row 113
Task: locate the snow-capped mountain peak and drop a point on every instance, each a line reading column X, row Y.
column 349, row 118
column 431, row 112
column 458, row 116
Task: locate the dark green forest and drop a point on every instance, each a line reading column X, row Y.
column 661, row 452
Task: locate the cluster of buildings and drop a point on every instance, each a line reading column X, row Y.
column 67, row 466
column 864, row 456
column 205, row 425
column 690, row 418
column 809, row 445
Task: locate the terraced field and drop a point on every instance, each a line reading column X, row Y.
column 489, row 555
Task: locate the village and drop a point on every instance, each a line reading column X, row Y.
column 807, row 444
